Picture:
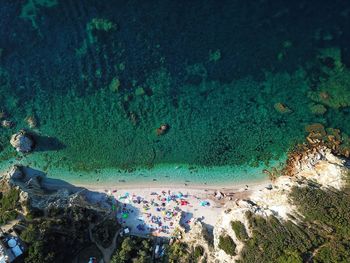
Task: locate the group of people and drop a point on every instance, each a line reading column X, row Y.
column 160, row 214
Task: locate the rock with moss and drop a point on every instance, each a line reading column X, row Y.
column 317, row 109
column 282, row 108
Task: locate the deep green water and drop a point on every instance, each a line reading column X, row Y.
column 100, row 77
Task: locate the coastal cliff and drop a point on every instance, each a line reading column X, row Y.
column 316, row 171
column 58, row 223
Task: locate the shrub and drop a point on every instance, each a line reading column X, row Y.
column 8, row 205
column 133, row 249
column 198, row 252
column 226, row 244
column 239, row 229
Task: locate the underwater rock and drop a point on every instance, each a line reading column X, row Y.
column 31, row 8
column 163, row 129
column 133, row 118
column 3, row 114
column 140, row 91
column 31, row 121
column 22, row 141
column 128, row 97
column 7, row 124
column 281, row 108
column 333, row 54
column 101, row 24
column 215, row 55
column 98, row 24
column 114, row 85
column 316, row 129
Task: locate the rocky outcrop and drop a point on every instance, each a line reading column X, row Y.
column 199, row 236
column 62, row 212
column 37, row 197
column 15, row 173
column 22, row 142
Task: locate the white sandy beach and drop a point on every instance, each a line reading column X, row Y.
column 166, row 204
column 158, row 210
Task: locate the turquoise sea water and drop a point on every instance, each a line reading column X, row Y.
column 236, row 82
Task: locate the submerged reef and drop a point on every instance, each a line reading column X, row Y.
column 332, row 88
column 98, row 24
column 113, row 76
column 31, row 9
column 93, row 27
column 247, row 122
column 334, row 91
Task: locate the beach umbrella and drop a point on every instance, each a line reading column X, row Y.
column 12, row 242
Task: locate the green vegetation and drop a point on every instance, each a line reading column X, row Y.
column 321, row 236
column 326, row 207
column 37, row 251
column 139, row 250
column 105, row 231
column 8, row 205
column 329, row 211
column 275, row 240
column 178, row 252
column 60, row 235
column 226, row 244
column 133, row 249
column 198, row 252
column 239, row 229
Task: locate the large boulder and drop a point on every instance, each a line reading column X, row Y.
column 22, row 141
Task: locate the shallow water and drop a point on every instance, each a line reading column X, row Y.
column 100, row 77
